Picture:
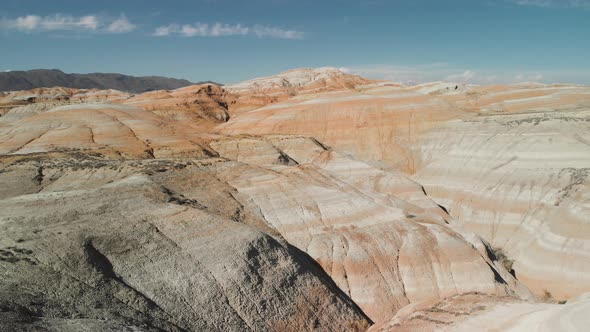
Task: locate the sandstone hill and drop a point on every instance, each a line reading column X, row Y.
column 310, row 200
column 507, row 162
column 260, row 92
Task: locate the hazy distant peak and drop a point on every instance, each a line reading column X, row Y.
column 38, row 78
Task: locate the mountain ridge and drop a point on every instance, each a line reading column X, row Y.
column 40, row 78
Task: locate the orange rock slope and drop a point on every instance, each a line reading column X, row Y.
column 190, row 103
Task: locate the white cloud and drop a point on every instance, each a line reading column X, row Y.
column 273, row 32
column 553, row 3
column 445, row 72
column 166, row 30
column 60, row 22
column 464, row 77
column 121, row 25
column 215, row 30
column 50, row 23
column 29, row 22
column 219, row 30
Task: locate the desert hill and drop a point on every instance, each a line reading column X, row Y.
column 309, row 200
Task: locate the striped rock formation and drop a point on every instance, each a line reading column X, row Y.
column 343, row 201
column 510, row 163
column 382, row 241
column 375, row 233
column 121, row 130
column 192, row 103
column 474, row 312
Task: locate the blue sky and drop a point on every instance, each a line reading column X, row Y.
column 487, row 41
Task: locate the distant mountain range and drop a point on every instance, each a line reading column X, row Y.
column 38, row 78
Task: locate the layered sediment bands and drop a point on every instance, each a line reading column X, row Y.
column 123, row 130
column 191, row 103
column 522, row 182
column 383, row 122
column 63, row 95
column 338, row 202
column 473, row 312
column 376, row 123
column 109, row 246
column 382, row 241
column 509, row 162
column 158, row 231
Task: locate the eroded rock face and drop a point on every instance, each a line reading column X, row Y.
column 109, row 245
column 63, row 95
column 16, row 105
column 508, row 162
column 207, row 101
column 377, row 123
column 326, row 202
column 472, row 312
column 521, row 182
column 378, row 239
column 122, row 130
